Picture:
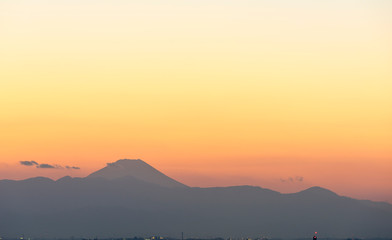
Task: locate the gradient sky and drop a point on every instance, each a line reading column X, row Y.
column 280, row 94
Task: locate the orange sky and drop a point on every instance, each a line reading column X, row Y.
column 210, row 92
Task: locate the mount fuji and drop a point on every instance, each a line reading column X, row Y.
column 137, row 169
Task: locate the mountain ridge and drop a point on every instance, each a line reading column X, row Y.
column 129, row 206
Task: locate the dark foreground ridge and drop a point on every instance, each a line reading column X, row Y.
column 171, row 238
column 131, row 198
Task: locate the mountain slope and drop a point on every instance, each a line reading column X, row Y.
column 138, row 169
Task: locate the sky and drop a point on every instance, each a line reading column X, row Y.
column 279, row 94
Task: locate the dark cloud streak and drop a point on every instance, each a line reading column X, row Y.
column 28, row 163
column 291, row 179
column 44, row 165
column 72, row 168
column 47, row 166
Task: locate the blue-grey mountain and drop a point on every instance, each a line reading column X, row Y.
column 129, row 198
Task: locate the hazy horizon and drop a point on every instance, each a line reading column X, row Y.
column 208, row 183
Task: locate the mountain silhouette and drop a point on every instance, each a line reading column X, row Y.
column 130, row 198
column 135, row 168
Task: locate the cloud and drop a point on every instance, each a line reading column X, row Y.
column 47, row 166
column 44, row 165
column 299, row 178
column 292, row 179
column 28, row 163
column 72, row 168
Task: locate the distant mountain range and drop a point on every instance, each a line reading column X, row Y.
column 131, row 198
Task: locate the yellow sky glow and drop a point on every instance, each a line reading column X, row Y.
column 210, row 92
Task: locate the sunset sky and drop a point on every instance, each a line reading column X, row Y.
column 280, row 94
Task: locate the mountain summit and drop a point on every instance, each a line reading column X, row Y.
column 138, row 169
